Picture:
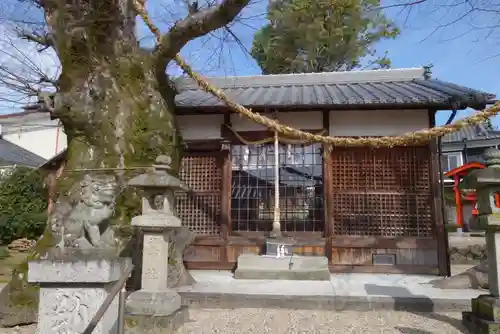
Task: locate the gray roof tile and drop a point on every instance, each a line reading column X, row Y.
column 381, row 87
column 473, row 132
column 11, row 154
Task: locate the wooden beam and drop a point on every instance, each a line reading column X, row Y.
column 207, row 265
column 255, row 237
column 345, row 241
column 371, row 269
column 437, row 200
column 207, row 145
column 253, row 135
column 202, row 240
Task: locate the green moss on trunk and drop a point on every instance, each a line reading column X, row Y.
column 114, row 118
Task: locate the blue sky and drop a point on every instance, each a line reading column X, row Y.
column 462, row 52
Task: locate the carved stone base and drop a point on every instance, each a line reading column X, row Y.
column 73, row 285
column 153, row 303
column 146, row 324
column 485, row 315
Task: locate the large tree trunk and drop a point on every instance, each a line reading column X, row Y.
column 113, row 114
column 117, row 107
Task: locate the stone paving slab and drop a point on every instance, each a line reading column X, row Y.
column 342, row 292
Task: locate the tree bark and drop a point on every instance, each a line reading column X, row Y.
column 117, row 107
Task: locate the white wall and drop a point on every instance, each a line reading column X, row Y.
column 36, row 133
column 298, row 119
column 342, row 123
column 377, row 122
column 200, row 126
column 43, row 142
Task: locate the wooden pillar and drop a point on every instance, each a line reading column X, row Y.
column 328, row 200
column 436, row 185
column 225, row 210
column 327, row 190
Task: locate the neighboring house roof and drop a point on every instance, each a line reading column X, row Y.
column 19, row 114
column 473, row 132
column 55, row 160
column 376, row 88
column 11, row 154
column 290, row 176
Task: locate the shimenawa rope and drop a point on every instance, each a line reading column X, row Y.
column 409, row 138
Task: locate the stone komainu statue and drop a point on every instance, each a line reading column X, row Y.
column 83, row 222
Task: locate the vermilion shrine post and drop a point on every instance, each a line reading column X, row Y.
column 457, row 175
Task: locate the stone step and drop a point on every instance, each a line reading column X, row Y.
column 209, row 300
column 302, row 268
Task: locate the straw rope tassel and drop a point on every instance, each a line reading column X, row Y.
column 276, row 221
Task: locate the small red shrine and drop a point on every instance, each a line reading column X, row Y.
column 457, row 175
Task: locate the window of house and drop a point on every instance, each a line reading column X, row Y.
column 475, row 154
column 300, row 187
column 452, row 161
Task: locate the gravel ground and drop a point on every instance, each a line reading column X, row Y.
column 31, row 329
column 318, row 322
column 288, row 322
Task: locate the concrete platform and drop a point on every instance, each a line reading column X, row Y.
column 305, row 268
column 360, row 292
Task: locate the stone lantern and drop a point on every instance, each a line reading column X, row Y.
column 157, row 219
column 485, row 315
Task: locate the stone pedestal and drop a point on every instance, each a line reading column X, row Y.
column 485, row 315
column 157, row 220
column 154, row 298
column 155, row 230
column 493, row 250
column 73, row 285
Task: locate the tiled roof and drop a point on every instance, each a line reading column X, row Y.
column 11, row 154
column 473, row 132
column 377, row 87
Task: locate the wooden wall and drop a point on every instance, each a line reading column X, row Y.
column 413, row 255
column 378, row 201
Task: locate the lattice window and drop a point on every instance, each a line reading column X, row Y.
column 200, row 209
column 301, row 187
column 382, row 192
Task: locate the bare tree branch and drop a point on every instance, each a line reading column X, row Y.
column 25, row 71
column 46, row 41
column 193, row 26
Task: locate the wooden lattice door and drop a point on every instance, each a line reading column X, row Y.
column 382, row 192
column 199, row 209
